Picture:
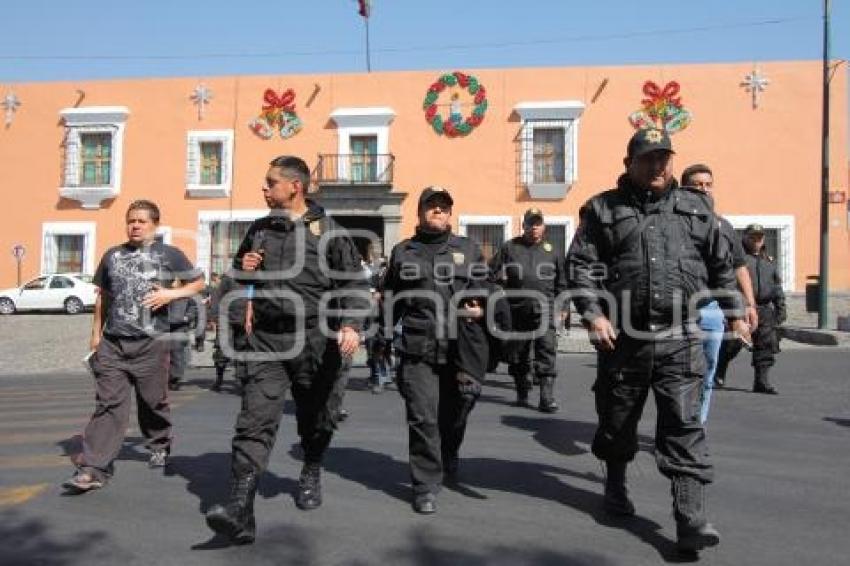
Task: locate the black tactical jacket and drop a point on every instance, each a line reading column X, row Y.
column 767, row 284
column 521, row 265
column 646, row 249
column 422, row 290
column 307, row 258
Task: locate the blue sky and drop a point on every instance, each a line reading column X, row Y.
column 87, row 39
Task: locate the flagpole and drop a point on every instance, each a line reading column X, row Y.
column 368, row 57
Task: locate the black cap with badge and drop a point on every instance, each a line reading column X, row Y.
column 433, row 192
column 531, row 215
column 650, row 139
column 754, row 229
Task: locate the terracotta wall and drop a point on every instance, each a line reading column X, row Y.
column 766, row 160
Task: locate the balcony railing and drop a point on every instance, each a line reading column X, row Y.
column 354, row 169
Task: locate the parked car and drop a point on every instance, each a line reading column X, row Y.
column 67, row 292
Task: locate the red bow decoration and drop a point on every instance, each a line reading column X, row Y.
column 283, row 102
column 658, row 96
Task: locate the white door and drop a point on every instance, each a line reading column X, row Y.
column 32, row 294
column 59, row 288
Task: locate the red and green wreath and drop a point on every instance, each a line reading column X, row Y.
column 456, row 125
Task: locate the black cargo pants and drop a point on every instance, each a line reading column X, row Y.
column 673, row 369
column 436, row 419
column 310, row 376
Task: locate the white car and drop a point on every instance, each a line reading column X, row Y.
column 68, row 292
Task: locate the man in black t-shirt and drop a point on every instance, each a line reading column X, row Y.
column 131, row 347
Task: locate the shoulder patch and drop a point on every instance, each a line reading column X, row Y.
column 315, row 228
column 547, row 246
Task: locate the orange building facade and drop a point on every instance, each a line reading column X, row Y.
column 73, row 155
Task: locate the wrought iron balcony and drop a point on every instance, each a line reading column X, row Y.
column 354, row 169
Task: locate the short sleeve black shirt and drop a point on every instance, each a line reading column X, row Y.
column 126, row 274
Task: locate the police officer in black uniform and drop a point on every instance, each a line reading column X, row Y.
column 296, row 259
column 420, row 288
column 529, row 263
column 770, row 305
column 228, row 293
column 180, row 315
column 642, row 250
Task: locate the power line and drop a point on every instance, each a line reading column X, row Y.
column 431, row 48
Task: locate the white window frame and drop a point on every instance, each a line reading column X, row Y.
column 785, row 223
column 92, row 119
column 204, row 234
column 367, row 121
column 465, row 220
column 194, row 139
column 568, row 223
column 166, row 232
column 87, row 229
column 549, row 114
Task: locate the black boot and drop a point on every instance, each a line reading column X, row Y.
column 236, row 520
column 547, row 395
column 219, row 378
column 762, row 383
column 693, row 531
column 617, row 500
column 451, row 463
column 523, row 386
column 309, row 494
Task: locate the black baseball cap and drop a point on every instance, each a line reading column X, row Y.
column 754, row 229
column 530, row 215
column 432, row 192
column 649, row 139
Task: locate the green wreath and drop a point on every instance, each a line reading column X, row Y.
column 455, row 127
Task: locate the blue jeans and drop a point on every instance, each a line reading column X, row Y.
column 711, row 322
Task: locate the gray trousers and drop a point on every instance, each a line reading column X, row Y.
column 119, row 366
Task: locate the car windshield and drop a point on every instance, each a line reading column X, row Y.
column 36, row 284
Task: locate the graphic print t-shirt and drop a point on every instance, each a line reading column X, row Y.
column 126, row 274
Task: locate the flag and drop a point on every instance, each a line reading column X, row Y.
column 365, row 8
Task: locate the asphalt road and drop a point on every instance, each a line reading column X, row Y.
column 529, row 492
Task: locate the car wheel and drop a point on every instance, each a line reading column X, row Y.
column 73, row 305
column 7, row 306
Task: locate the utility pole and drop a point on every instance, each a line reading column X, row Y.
column 824, row 195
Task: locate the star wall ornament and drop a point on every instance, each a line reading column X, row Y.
column 201, row 96
column 755, row 83
column 10, row 106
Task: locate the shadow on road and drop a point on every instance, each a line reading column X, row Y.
column 29, row 541
column 373, row 470
column 380, row 472
column 426, row 549
column 564, row 436
column 208, row 478
column 838, row 421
